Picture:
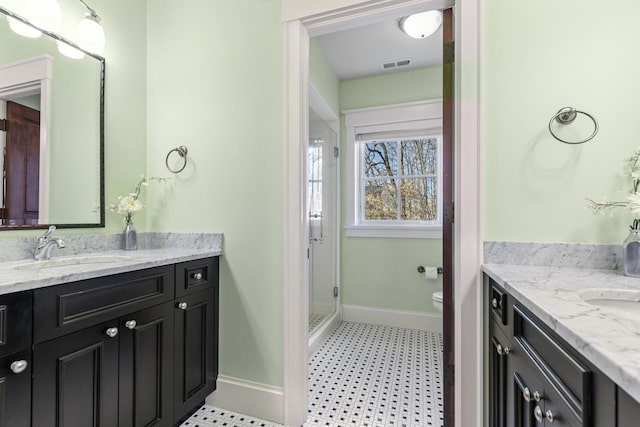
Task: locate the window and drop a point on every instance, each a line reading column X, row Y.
column 393, row 171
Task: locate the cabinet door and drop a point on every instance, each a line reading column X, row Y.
column 525, row 396
column 628, row 410
column 75, row 379
column 497, row 383
column 146, row 368
column 15, row 390
column 196, row 356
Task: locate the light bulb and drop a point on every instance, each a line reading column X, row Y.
column 91, row 35
column 45, row 14
column 421, row 25
column 69, row 51
column 23, row 29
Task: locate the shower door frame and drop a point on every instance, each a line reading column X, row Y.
column 302, row 19
column 320, row 106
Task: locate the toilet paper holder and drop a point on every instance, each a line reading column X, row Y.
column 421, row 269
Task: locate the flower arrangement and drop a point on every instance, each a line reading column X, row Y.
column 631, row 170
column 128, row 205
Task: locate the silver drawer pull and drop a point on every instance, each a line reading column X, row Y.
column 537, row 396
column 494, row 303
column 549, row 415
column 182, row 306
column 537, row 412
column 197, row 276
column 112, row 332
column 526, row 393
column 130, row 324
column 19, row 366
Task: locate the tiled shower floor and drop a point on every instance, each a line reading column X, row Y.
column 364, row 375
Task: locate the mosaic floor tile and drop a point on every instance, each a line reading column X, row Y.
column 363, row 375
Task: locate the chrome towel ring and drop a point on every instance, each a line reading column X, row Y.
column 566, row 116
column 182, row 152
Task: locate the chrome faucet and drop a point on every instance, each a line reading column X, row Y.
column 46, row 243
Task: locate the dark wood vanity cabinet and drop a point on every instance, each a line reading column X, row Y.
column 116, row 351
column 536, row 379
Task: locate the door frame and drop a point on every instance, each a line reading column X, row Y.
column 468, row 239
column 27, row 77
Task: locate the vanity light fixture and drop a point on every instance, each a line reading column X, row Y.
column 43, row 14
column 69, row 51
column 90, row 33
column 421, row 25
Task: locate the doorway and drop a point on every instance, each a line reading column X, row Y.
column 467, row 237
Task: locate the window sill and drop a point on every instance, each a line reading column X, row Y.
column 389, row 231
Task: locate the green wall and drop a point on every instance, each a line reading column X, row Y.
column 538, row 57
column 125, row 101
column 217, row 87
column 323, row 77
column 381, row 272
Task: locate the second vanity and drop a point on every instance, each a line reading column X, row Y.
column 563, row 347
column 115, row 339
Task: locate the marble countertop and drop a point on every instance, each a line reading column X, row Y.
column 14, row 279
column 606, row 337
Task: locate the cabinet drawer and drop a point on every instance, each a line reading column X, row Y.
column 15, row 322
column 62, row 309
column 570, row 380
column 195, row 276
column 498, row 303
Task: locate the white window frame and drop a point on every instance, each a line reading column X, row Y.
column 423, row 115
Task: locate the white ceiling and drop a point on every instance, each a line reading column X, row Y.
column 360, row 52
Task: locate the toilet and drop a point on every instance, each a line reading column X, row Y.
column 437, row 300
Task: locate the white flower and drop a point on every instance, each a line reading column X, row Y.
column 634, row 204
column 128, row 205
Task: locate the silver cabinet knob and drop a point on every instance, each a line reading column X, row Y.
column 503, row 351
column 537, row 396
column 537, row 412
column 182, row 306
column 130, row 324
column 197, row 276
column 18, row 366
column 549, row 416
column 112, row 332
column 526, row 393
column 494, row 303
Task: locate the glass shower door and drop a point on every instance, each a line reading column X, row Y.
column 323, row 242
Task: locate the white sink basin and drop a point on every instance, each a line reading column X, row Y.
column 70, row 261
column 624, row 302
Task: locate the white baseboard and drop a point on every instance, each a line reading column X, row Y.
column 396, row 318
column 249, row 398
column 319, row 336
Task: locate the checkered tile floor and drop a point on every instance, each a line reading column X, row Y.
column 364, row 375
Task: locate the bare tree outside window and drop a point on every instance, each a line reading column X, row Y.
column 400, row 180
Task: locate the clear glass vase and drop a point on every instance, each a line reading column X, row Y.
column 130, row 237
column 631, row 253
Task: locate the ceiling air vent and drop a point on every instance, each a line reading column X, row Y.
column 396, row 64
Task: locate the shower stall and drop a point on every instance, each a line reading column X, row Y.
column 322, row 178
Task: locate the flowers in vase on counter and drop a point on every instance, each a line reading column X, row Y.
column 128, row 205
column 631, row 170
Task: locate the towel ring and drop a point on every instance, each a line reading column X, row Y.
column 566, row 116
column 182, row 152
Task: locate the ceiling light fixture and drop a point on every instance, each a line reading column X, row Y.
column 421, row 25
column 90, row 33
